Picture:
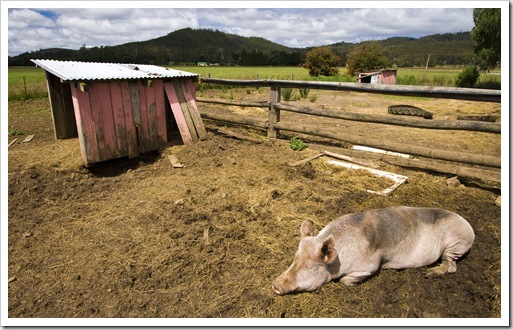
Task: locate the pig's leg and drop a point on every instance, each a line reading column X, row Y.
column 353, row 278
column 447, row 266
column 458, row 239
column 449, row 257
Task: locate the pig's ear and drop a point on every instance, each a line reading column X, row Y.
column 308, row 228
column 328, row 250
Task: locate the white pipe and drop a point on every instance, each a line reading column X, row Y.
column 397, row 178
column 381, row 151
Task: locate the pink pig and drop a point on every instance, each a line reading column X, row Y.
column 355, row 246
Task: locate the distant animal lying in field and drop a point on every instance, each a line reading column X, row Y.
column 409, row 110
column 355, row 246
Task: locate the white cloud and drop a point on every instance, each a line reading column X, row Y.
column 26, row 18
column 31, row 29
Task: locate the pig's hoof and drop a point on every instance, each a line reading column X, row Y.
column 435, row 272
column 447, row 266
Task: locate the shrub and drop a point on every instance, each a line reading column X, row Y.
column 297, row 144
column 468, row 77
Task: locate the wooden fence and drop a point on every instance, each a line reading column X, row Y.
column 489, row 176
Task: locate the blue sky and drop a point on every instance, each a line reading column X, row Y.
column 31, row 28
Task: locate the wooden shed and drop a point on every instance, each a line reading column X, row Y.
column 385, row 76
column 121, row 110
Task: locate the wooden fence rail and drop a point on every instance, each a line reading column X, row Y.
column 410, row 122
column 272, row 124
column 380, row 119
column 442, row 154
column 470, row 94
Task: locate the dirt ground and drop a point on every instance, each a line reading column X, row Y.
column 139, row 238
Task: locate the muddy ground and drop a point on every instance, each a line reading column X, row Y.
column 139, row 238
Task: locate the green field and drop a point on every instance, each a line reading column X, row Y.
column 245, row 72
column 26, row 83
column 30, row 82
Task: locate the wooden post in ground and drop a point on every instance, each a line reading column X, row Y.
column 274, row 114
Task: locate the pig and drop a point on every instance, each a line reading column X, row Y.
column 354, row 247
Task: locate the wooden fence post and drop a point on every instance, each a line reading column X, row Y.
column 25, row 87
column 274, row 114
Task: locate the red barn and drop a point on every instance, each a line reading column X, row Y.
column 377, row 77
column 121, row 110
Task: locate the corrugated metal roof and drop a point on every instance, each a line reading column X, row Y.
column 73, row 70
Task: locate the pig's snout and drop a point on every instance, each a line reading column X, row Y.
column 276, row 290
column 282, row 285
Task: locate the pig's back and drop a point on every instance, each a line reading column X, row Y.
column 403, row 237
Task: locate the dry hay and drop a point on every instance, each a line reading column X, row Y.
column 139, row 238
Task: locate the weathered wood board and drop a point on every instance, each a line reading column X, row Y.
column 182, row 102
column 118, row 115
column 178, row 114
column 12, row 142
column 189, row 92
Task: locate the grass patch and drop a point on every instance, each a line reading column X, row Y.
column 406, row 98
column 26, row 83
column 313, row 97
column 30, row 82
column 15, row 132
column 287, row 93
column 489, row 81
column 297, row 144
column 248, row 73
column 303, row 92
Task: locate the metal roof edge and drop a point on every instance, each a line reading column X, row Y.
column 120, row 71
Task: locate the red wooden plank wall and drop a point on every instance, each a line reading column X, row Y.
column 130, row 131
column 160, row 102
column 119, row 118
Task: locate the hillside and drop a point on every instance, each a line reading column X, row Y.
column 190, row 46
column 443, row 49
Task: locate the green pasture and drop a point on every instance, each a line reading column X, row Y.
column 30, row 82
column 26, row 83
column 245, row 72
column 443, row 77
column 405, row 76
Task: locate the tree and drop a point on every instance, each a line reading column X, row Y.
column 322, row 61
column 486, row 35
column 468, row 77
column 366, row 56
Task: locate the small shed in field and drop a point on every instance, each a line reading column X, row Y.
column 121, row 110
column 387, row 76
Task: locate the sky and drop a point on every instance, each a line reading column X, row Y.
column 106, row 24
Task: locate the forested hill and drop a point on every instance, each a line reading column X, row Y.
column 190, row 46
